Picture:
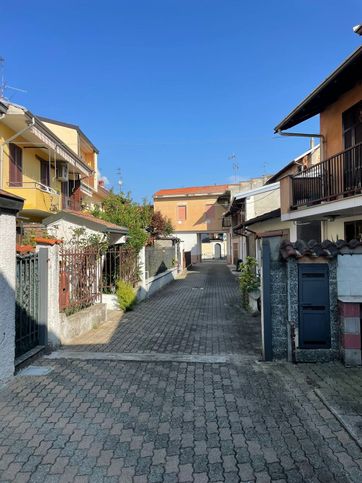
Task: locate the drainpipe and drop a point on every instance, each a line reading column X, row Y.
column 305, row 135
column 7, row 141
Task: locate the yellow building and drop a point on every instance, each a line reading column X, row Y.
column 51, row 165
column 196, row 217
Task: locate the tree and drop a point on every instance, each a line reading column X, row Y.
column 122, row 210
column 160, row 225
column 140, row 219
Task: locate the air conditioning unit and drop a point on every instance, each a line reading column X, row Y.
column 62, row 172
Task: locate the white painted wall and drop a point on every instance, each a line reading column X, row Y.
column 259, row 204
column 7, row 294
column 190, row 242
column 349, row 275
column 64, row 230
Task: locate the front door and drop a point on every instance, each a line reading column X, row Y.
column 314, row 311
column 217, row 250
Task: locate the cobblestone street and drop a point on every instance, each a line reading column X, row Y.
column 228, row 418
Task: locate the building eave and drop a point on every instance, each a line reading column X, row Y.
column 71, row 126
column 337, row 83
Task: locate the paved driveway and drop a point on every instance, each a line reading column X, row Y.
column 115, row 420
column 199, row 314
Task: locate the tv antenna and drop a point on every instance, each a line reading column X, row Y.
column 233, row 158
column 3, row 84
column 120, row 179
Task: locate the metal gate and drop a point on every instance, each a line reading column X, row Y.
column 27, row 303
column 314, row 310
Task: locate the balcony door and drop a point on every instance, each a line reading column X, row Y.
column 352, row 136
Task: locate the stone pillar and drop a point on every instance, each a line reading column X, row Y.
column 7, row 293
column 350, row 315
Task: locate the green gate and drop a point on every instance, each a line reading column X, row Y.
column 27, row 303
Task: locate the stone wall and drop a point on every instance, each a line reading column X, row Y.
column 284, row 306
column 279, row 308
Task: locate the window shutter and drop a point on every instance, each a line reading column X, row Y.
column 44, row 173
column 181, row 213
column 15, row 165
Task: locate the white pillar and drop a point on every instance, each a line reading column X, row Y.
column 53, row 319
column 7, row 294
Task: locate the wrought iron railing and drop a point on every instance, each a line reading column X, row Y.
column 71, row 203
column 119, row 262
column 27, row 303
column 226, row 221
column 80, row 278
column 337, row 176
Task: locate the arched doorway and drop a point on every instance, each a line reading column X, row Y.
column 217, row 251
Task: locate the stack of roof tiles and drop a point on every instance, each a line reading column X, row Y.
column 314, row 249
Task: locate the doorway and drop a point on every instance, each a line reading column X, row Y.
column 217, row 251
column 314, row 307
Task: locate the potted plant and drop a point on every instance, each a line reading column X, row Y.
column 250, row 284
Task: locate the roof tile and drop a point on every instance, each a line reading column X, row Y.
column 211, row 189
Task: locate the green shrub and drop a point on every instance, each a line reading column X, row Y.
column 126, row 295
column 249, row 279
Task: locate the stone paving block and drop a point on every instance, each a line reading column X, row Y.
column 111, row 420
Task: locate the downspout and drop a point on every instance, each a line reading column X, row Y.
column 7, row 141
column 305, row 135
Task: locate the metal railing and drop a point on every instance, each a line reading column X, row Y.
column 119, row 262
column 339, row 175
column 33, row 185
column 27, row 303
column 80, row 278
column 71, row 203
column 226, row 221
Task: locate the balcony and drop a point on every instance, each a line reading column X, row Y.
column 39, row 199
column 71, row 203
column 338, row 177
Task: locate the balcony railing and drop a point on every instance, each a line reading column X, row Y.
column 33, row 185
column 336, row 177
column 226, row 221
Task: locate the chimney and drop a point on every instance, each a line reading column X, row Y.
column 101, row 183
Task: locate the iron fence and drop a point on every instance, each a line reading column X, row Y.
column 27, row 303
column 80, row 278
column 119, row 262
column 340, row 175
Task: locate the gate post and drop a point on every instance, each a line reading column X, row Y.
column 43, row 257
column 49, row 317
column 266, row 324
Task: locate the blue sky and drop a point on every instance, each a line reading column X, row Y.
column 169, row 89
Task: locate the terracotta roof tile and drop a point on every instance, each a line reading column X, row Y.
column 47, row 241
column 314, row 249
column 89, row 217
column 22, row 249
column 212, row 189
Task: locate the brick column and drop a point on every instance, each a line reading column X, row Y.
column 350, row 314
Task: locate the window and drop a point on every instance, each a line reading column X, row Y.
column 181, row 213
column 353, row 230
column 44, row 173
column 15, row 165
column 352, row 125
column 307, row 231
